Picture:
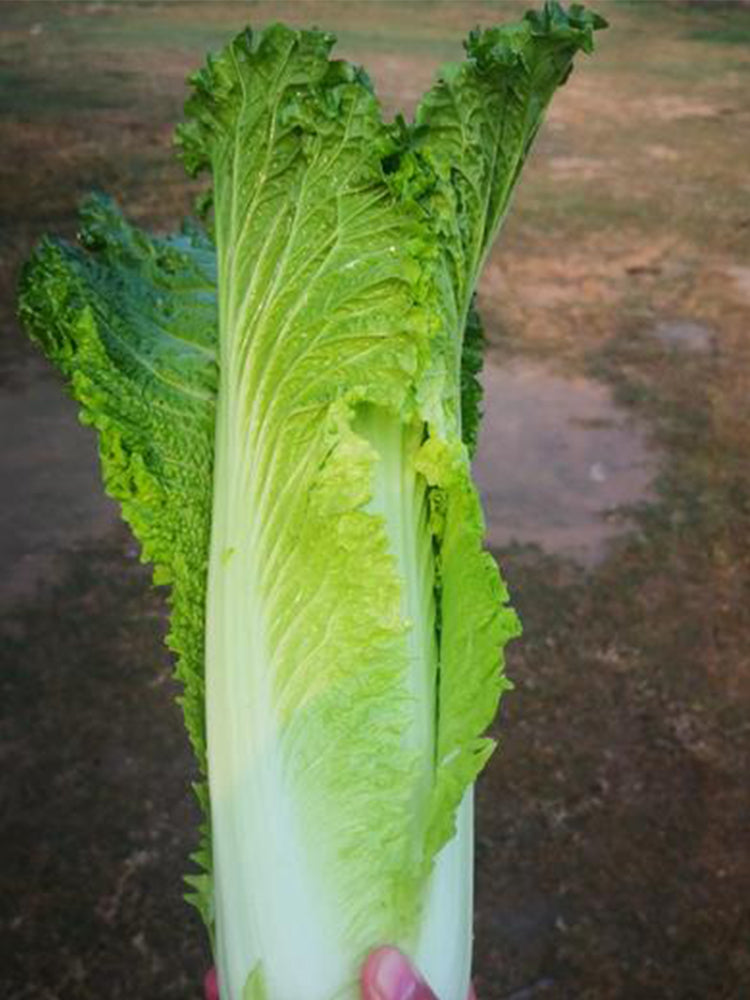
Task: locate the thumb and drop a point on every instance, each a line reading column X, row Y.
column 388, row 975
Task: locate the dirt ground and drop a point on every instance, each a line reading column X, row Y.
column 613, row 854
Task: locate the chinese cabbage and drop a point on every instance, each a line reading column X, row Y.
column 286, row 411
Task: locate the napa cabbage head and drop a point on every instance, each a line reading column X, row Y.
column 287, row 406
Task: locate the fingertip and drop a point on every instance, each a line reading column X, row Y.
column 371, row 964
column 387, row 974
column 211, row 985
column 369, row 973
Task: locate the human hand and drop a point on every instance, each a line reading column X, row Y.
column 386, row 975
column 389, row 975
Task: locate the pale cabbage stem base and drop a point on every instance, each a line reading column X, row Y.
column 271, row 904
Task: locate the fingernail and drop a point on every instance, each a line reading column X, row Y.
column 390, row 976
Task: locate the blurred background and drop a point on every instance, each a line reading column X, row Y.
column 614, row 825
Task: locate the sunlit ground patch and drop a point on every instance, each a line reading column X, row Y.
column 557, row 460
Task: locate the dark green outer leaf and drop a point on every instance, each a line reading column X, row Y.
column 130, row 320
